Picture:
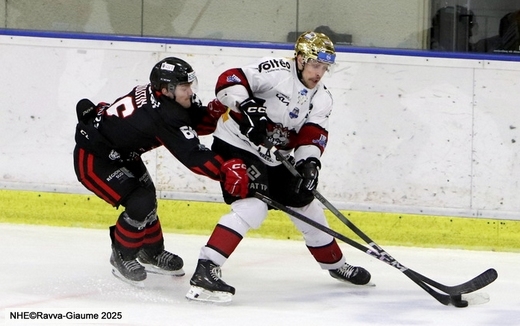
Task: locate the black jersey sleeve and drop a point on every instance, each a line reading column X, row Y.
column 178, row 135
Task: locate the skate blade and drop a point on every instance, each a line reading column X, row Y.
column 369, row 284
column 117, row 274
column 199, row 294
column 156, row 270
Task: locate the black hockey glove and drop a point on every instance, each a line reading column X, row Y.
column 254, row 120
column 85, row 110
column 309, row 171
column 195, row 100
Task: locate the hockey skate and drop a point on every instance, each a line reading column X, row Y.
column 164, row 263
column 351, row 274
column 129, row 271
column 207, row 286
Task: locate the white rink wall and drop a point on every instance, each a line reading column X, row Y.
column 408, row 134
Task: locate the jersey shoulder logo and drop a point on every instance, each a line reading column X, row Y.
column 233, row 79
column 321, row 142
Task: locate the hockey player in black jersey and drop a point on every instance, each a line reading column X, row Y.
column 107, row 160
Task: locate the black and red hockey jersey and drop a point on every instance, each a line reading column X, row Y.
column 142, row 120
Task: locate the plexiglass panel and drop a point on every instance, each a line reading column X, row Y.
column 439, row 25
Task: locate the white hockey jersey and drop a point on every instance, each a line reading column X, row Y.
column 297, row 116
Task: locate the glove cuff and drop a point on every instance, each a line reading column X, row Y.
column 311, row 160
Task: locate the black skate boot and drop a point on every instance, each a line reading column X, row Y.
column 129, row 271
column 206, row 284
column 164, row 263
column 352, row 274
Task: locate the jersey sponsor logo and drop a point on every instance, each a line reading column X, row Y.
column 257, row 186
column 294, row 113
column 233, row 79
column 114, row 155
column 283, row 98
column 253, row 173
column 303, row 96
column 116, row 174
column 322, row 142
column 274, row 64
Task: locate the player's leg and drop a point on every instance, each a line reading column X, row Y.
column 153, row 255
column 128, row 185
column 247, row 213
column 321, row 245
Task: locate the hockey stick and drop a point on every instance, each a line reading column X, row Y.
column 453, row 295
column 455, row 292
column 476, row 283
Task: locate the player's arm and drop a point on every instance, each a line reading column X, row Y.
column 311, row 141
column 207, row 116
column 185, row 145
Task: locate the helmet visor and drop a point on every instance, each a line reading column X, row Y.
column 193, row 82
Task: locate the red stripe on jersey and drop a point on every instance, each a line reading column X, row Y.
column 224, row 240
column 208, row 169
column 328, row 254
column 312, row 134
column 198, row 170
column 206, row 126
column 85, row 178
column 234, row 76
column 210, row 166
column 219, row 159
column 98, row 181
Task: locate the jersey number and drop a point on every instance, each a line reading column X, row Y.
column 122, row 108
column 188, row 132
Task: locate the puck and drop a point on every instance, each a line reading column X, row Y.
column 457, row 301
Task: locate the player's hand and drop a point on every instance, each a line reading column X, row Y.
column 236, row 181
column 216, row 109
column 195, row 100
column 254, row 120
column 309, row 171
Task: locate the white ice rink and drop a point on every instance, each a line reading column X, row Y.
column 49, row 270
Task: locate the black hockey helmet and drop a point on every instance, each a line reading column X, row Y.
column 172, row 71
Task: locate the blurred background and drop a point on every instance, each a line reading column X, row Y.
column 442, row 25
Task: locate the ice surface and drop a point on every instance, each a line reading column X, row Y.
column 278, row 283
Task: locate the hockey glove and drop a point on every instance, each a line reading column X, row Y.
column 85, row 110
column 309, row 171
column 254, row 120
column 216, row 109
column 235, row 179
column 195, row 100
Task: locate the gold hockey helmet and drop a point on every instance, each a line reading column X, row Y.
column 317, row 46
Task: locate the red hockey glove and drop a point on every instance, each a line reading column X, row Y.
column 236, row 181
column 216, row 109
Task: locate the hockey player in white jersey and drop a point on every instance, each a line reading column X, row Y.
column 284, row 100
